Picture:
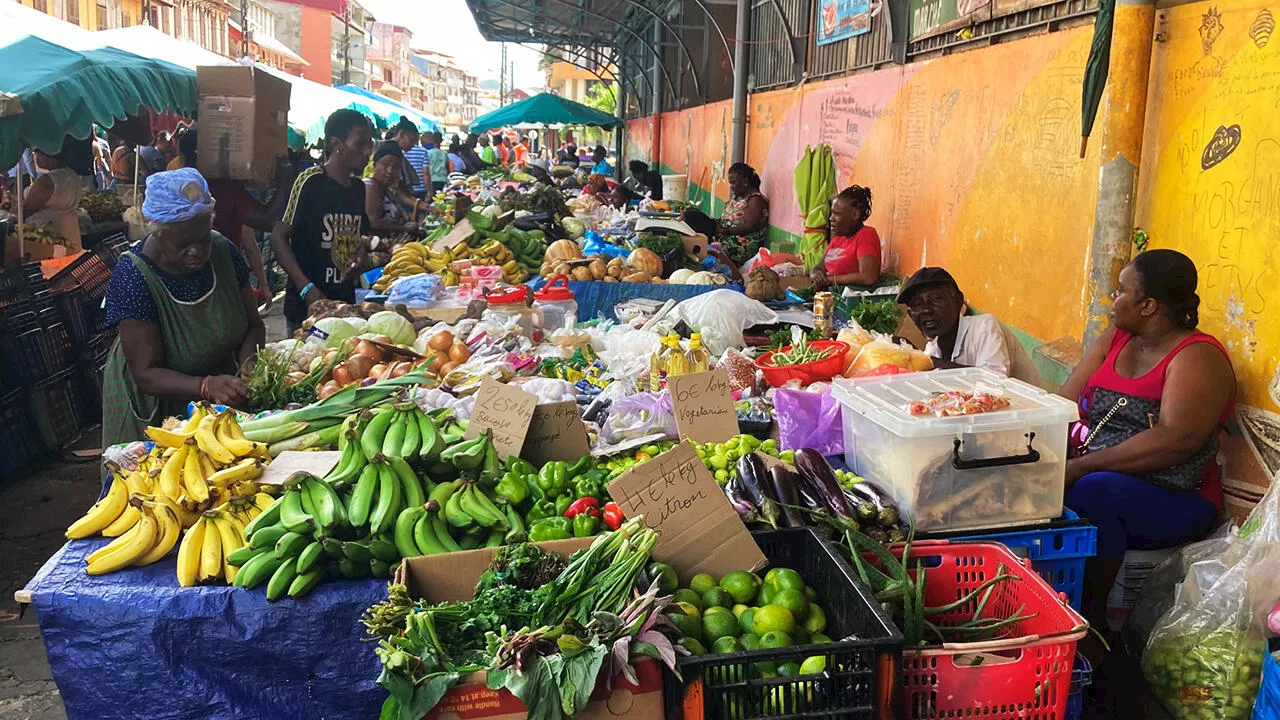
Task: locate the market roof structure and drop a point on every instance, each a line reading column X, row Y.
column 546, row 109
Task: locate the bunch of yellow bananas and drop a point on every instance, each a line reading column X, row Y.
column 208, row 553
column 208, row 459
column 495, row 253
column 412, row 258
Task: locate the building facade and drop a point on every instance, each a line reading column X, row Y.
column 389, row 59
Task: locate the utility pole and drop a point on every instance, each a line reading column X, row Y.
column 502, row 78
column 346, row 44
column 244, row 28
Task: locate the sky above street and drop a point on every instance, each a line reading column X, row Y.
column 448, row 27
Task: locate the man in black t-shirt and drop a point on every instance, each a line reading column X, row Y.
column 319, row 240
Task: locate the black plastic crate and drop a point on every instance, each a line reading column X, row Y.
column 55, row 345
column 53, row 411
column 21, row 444
column 78, row 315
column 90, row 271
column 864, row 669
column 24, row 362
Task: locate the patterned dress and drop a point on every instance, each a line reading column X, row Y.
column 741, row 248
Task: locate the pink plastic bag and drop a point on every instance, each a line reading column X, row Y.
column 807, row 419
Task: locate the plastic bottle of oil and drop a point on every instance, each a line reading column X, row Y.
column 697, row 359
column 658, row 364
column 677, row 363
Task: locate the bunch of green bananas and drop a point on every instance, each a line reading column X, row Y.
column 459, row 515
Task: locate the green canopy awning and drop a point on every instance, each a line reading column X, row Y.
column 62, row 92
column 544, row 109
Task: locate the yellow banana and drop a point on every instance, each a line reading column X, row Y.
column 103, row 513
column 263, row 501
column 231, row 538
column 168, row 438
column 232, row 438
column 197, row 415
column 209, row 444
column 188, row 512
column 207, row 467
column 128, row 520
column 170, row 530
column 189, row 553
column 127, row 550
column 210, row 553
column 193, row 479
column 171, row 473
column 246, row 469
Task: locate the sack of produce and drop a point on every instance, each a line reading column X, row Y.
column 1204, row 659
column 722, row 315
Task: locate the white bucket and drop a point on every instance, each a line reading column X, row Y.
column 675, row 187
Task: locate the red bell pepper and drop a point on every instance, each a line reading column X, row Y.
column 588, row 505
column 613, row 517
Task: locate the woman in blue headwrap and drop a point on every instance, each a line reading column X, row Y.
column 186, row 313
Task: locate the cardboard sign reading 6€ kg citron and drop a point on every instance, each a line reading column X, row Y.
column 698, row 531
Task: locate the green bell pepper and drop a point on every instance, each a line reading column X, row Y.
column 513, row 488
column 552, row 528
column 585, row 486
column 552, row 478
column 585, row 525
column 563, row 502
column 541, row 509
column 524, row 467
column 582, row 465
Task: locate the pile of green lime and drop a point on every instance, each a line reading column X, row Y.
column 744, row 612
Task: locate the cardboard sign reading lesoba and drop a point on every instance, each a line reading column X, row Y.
column 698, row 531
column 506, row 411
column 703, row 405
column 556, row 433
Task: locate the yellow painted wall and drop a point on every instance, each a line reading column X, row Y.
column 972, row 159
column 1210, row 178
column 88, row 11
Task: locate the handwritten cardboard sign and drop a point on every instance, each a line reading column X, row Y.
column 459, row 233
column 698, row 529
column 704, row 406
column 556, row 432
column 504, row 409
column 316, row 462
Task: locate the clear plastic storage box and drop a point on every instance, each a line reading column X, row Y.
column 972, row 471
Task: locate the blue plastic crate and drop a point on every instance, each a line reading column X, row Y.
column 1057, row 551
column 1081, row 678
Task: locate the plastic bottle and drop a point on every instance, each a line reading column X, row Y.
column 697, row 359
column 658, row 364
column 677, row 362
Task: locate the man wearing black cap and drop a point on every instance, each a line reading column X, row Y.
column 958, row 338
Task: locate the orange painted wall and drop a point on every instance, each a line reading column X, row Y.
column 972, row 159
column 316, row 45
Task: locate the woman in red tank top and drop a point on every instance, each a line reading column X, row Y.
column 1153, row 392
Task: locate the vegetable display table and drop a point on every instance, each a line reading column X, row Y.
column 134, row 644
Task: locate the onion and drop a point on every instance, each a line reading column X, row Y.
column 359, row 366
column 377, row 371
column 327, row 389
column 448, row 368
column 437, row 363
column 440, row 341
column 342, row 375
column 369, row 350
column 400, row 368
column 459, row 353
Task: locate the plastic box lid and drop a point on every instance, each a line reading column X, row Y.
column 884, row 399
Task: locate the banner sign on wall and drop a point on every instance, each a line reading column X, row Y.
column 842, row 19
column 928, row 17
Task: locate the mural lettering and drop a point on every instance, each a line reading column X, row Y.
column 1224, row 142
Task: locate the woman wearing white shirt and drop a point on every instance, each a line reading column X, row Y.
column 959, row 339
column 53, row 199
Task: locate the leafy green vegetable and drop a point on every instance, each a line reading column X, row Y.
column 660, row 243
column 877, row 316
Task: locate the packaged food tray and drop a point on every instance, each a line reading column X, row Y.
column 1025, row 674
column 1057, row 550
column 1003, row 467
column 862, row 674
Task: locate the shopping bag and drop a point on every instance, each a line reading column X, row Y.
column 1204, row 658
column 809, row 420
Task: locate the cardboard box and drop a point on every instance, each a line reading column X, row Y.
column 451, row 577
column 243, row 123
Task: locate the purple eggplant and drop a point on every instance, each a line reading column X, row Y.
column 740, row 499
column 870, row 496
column 818, row 476
column 784, row 487
column 755, row 479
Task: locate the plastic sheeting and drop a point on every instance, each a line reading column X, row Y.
column 134, row 644
column 597, row 299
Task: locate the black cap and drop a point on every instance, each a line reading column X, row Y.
column 925, row 277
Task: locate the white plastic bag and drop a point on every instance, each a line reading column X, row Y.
column 721, row 316
column 1204, row 658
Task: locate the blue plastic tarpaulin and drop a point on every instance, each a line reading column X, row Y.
column 134, row 644
column 597, row 299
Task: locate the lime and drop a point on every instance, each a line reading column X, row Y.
column 747, row 620
column 750, row 641
column 813, row 665
column 685, row 595
column 717, row 610
column 789, row 669
column 793, row 600
column 726, row 644
column 688, row 625
column 775, row 640
column 742, row 585
column 717, row 596
column 770, row 576
column 666, row 577
column 766, row 594
column 767, row 669
column 689, row 609
column 701, row 583
column 810, row 593
column 788, row 579
column 817, row 638
column 693, row 646
column 739, row 609
column 816, row 621
column 771, row 618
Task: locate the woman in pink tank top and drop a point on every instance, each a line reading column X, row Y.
column 1154, row 392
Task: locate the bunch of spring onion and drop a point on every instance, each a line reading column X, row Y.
column 319, row 424
column 599, row 578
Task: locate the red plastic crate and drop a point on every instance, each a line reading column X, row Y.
column 1025, row 675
